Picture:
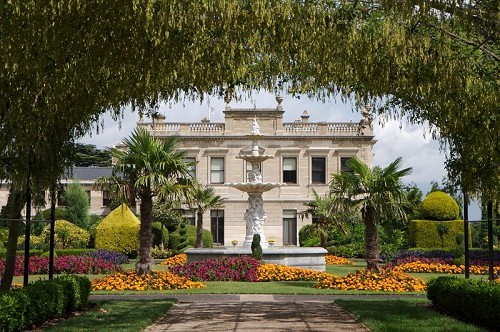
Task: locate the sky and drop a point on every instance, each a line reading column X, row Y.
column 394, row 138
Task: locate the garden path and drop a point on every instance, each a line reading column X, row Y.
column 256, row 313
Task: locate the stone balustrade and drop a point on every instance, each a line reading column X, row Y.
column 289, row 129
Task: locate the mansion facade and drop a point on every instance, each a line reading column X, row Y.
column 305, row 154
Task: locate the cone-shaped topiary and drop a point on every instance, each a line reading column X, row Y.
column 439, row 206
column 256, row 247
column 119, row 232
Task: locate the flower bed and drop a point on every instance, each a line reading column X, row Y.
column 158, row 280
column 66, row 264
column 242, row 268
column 179, row 259
column 274, row 272
column 336, row 260
column 436, row 265
column 385, row 280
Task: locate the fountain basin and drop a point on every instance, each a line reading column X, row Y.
column 312, row 258
column 255, row 187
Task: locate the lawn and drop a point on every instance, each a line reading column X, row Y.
column 406, row 315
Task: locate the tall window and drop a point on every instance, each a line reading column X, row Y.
column 106, row 200
column 217, row 225
column 88, row 196
column 290, row 170
column 192, row 166
column 318, row 173
column 289, row 227
column 344, row 164
column 217, row 170
column 190, row 217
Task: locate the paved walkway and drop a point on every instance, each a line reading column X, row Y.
column 253, row 313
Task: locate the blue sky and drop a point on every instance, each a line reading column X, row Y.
column 394, row 138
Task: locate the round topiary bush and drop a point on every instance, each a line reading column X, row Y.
column 119, row 232
column 66, row 235
column 439, row 206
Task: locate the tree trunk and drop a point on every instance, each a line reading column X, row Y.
column 12, row 210
column 144, row 265
column 371, row 240
column 199, row 230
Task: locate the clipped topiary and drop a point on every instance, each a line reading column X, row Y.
column 439, row 206
column 119, row 232
column 160, row 235
column 256, row 247
column 66, row 235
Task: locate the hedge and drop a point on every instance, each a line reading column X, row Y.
column 424, row 234
column 473, row 300
column 57, row 252
column 42, row 300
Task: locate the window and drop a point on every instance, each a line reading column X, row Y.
column 217, row 170
column 318, row 167
column 88, row 195
column 344, row 167
column 191, row 161
column 190, row 217
column 106, row 200
column 290, row 170
column 217, row 225
column 289, row 227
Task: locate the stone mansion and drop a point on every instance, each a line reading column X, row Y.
column 305, row 154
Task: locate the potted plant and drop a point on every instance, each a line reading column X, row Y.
column 234, row 242
column 271, row 242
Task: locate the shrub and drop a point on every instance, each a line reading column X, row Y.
column 308, row 236
column 159, row 253
column 38, row 226
column 424, row 234
column 119, row 232
column 256, row 247
column 439, row 206
column 350, row 250
column 67, row 235
column 473, row 300
column 177, row 244
column 77, row 205
column 160, row 235
column 41, row 301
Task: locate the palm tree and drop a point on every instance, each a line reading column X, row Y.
column 149, row 165
column 203, row 199
column 373, row 191
column 324, row 210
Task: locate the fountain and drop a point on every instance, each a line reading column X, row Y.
column 255, row 217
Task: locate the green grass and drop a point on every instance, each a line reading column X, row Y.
column 131, row 315
column 408, row 315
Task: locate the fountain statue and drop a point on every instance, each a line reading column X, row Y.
column 255, row 216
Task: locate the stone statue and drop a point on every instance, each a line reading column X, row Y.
column 255, row 127
column 255, row 216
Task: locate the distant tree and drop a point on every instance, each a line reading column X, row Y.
column 86, row 155
column 77, row 205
